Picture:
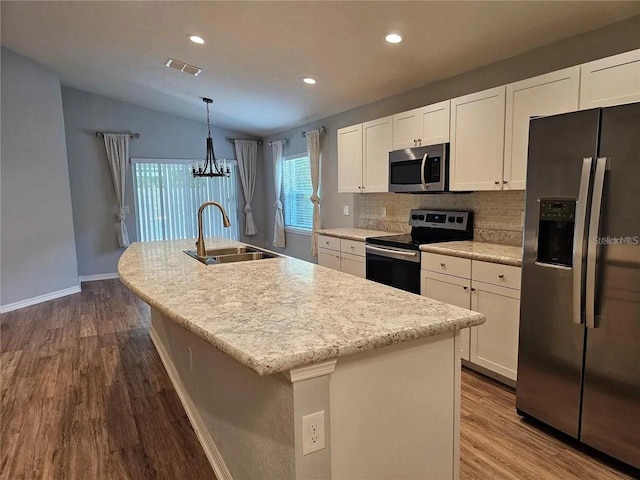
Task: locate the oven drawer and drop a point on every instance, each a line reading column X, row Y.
column 331, row 243
column 496, row 274
column 434, row 262
column 353, row 247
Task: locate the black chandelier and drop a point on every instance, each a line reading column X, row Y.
column 210, row 167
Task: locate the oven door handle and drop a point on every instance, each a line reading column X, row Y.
column 399, row 254
column 425, row 185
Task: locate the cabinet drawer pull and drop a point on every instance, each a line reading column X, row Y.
column 501, row 276
column 442, row 264
column 466, row 288
column 497, row 182
column 351, row 247
column 473, row 289
column 504, row 181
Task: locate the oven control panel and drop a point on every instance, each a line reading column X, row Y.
column 441, row 219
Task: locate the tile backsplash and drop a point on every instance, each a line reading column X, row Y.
column 498, row 216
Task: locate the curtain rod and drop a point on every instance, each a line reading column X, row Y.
column 284, row 141
column 233, row 140
column 131, row 135
column 322, row 129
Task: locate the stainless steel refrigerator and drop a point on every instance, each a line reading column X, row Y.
column 579, row 348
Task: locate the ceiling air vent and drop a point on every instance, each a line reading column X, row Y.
column 183, row 67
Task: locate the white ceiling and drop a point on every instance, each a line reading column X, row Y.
column 257, row 52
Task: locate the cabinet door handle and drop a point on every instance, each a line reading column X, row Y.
column 465, row 288
column 497, row 182
column 501, row 276
column 473, row 289
column 419, row 141
column 504, row 181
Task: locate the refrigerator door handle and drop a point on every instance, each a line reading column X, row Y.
column 602, row 164
column 578, row 239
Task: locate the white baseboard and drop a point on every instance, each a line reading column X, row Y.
column 39, row 299
column 100, row 276
column 210, row 448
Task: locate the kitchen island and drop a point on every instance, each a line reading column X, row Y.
column 253, row 347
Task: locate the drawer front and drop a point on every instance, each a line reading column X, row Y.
column 353, row 247
column 331, row 243
column 496, row 274
column 434, row 262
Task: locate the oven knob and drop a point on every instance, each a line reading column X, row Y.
column 414, row 217
column 459, row 219
column 451, row 219
column 420, row 217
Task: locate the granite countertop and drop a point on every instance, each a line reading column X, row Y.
column 486, row 252
column 357, row 234
column 276, row 314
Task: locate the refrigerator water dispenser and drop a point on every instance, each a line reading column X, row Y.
column 555, row 231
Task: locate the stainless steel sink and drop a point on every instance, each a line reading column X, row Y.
column 217, row 256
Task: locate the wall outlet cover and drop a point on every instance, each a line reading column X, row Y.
column 313, row 434
column 345, row 210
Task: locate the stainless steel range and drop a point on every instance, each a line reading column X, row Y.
column 395, row 260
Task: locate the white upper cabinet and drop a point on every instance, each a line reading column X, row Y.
column 421, row 126
column 405, row 129
column 610, row 81
column 433, row 124
column 550, row 94
column 350, row 159
column 477, row 140
column 377, row 143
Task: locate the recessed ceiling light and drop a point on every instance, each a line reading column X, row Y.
column 309, row 80
column 196, row 39
column 394, row 38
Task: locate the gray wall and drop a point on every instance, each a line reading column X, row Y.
column 38, row 251
column 610, row 40
column 161, row 136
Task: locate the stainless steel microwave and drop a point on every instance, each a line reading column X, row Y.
column 420, row 169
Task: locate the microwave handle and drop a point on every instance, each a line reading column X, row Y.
column 424, row 161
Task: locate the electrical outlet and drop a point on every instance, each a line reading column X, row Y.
column 345, row 210
column 313, row 438
column 125, row 209
column 383, row 212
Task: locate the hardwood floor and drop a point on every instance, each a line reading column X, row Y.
column 496, row 443
column 85, row 396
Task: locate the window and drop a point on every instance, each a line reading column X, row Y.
column 167, row 198
column 297, row 190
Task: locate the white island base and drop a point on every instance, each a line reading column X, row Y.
column 390, row 413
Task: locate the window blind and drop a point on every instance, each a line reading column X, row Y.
column 297, row 190
column 167, row 198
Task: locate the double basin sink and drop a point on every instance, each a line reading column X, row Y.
column 216, row 256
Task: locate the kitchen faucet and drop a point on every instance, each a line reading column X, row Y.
column 200, row 248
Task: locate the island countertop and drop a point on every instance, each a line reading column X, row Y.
column 276, row 314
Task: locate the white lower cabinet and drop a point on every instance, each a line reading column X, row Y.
column 329, row 258
column 489, row 288
column 346, row 256
column 494, row 345
column 353, row 265
column 452, row 290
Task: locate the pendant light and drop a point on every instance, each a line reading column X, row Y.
column 210, row 167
